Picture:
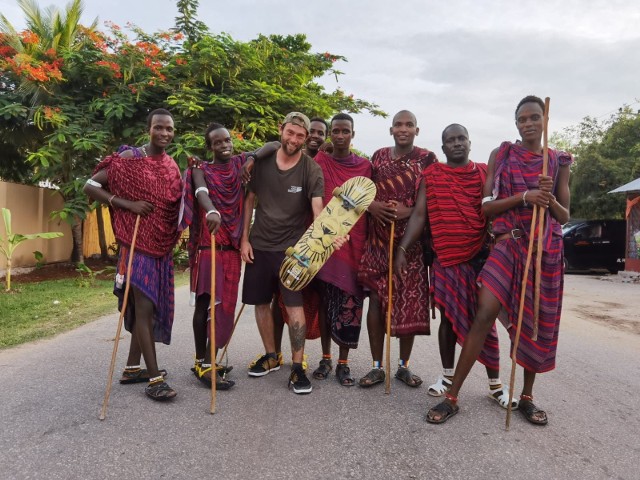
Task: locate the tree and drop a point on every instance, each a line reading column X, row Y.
column 607, row 155
column 82, row 98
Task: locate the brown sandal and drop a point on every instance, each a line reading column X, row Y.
column 323, row 370
column 405, row 376
column 375, row 376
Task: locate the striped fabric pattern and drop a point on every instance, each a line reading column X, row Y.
column 454, row 290
column 153, row 276
column 517, row 170
column 454, row 201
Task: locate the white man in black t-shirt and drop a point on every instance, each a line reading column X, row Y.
column 289, row 187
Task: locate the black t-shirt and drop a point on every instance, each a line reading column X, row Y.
column 284, row 201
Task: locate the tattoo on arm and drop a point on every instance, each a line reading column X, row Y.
column 297, row 333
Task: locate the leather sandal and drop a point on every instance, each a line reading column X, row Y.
column 140, row 375
column 343, row 374
column 405, row 376
column 375, row 376
column 323, row 370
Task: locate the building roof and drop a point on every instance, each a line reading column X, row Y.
column 633, row 186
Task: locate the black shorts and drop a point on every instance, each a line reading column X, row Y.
column 262, row 280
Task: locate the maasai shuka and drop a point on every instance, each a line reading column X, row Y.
column 398, row 179
column 458, row 229
column 454, row 203
column 342, row 267
column 154, row 179
column 224, row 182
column 517, row 170
column 343, row 295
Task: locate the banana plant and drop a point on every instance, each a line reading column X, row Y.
column 10, row 241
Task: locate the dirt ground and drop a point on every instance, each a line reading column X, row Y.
column 57, row 271
column 603, row 299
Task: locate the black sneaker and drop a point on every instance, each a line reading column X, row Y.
column 264, row 365
column 299, row 380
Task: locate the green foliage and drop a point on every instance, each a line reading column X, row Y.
column 88, row 276
column 40, row 260
column 607, row 156
column 10, row 241
column 70, row 94
column 187, row 22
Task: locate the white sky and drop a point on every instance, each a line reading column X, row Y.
column 467, row 62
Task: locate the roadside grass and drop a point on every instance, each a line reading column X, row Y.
column 32, row 311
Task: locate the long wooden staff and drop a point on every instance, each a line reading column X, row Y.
column 212, row 326
column 105, row 402
column 545, row 167
column 523, row 292
column 235, row 323
column 387, row 388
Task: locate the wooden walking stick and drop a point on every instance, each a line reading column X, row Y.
column 523, row 292
column 105, row 402
column 387, row 388
column 235, row 323
column 212, row 326
column 541, row 215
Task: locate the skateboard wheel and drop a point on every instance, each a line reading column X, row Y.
column 337, row 192
column 360, row 209
column 289, row 251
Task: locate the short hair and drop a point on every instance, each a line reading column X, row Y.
column 342, row 116
column 409, row 112
column 212, row 127
column 454, row 125
column 321, row 120
column 157, row 111
column 530, row 99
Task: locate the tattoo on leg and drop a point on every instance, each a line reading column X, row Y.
column 297, row 334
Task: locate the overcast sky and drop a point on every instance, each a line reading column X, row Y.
column 466, row 62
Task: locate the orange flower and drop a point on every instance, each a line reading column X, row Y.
column 29, row 37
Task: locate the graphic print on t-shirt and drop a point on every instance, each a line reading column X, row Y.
column 294, row 189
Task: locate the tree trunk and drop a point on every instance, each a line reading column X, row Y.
column 76, row 232
column 104, row 253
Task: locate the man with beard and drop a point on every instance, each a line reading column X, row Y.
column 315, row 140
column 289, row 187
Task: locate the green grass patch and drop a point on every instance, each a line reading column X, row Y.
column 38, row 310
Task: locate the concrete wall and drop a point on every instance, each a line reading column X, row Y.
column 30, row 213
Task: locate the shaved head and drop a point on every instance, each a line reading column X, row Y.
column 404, row 112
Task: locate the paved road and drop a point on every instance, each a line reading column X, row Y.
column 52, row 391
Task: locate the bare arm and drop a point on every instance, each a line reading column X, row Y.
column 213, row 218
column 559, row 206
column 103, row 195
column 415, row 226
column 246, row 251
column 540, row 196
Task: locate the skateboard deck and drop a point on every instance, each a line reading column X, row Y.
column 303, row 260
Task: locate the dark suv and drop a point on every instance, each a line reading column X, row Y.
column 594, row 244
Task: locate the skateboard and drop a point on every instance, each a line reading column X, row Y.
column 303, row 260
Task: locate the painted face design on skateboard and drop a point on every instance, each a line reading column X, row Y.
column 308, row 255
column 324, row 231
